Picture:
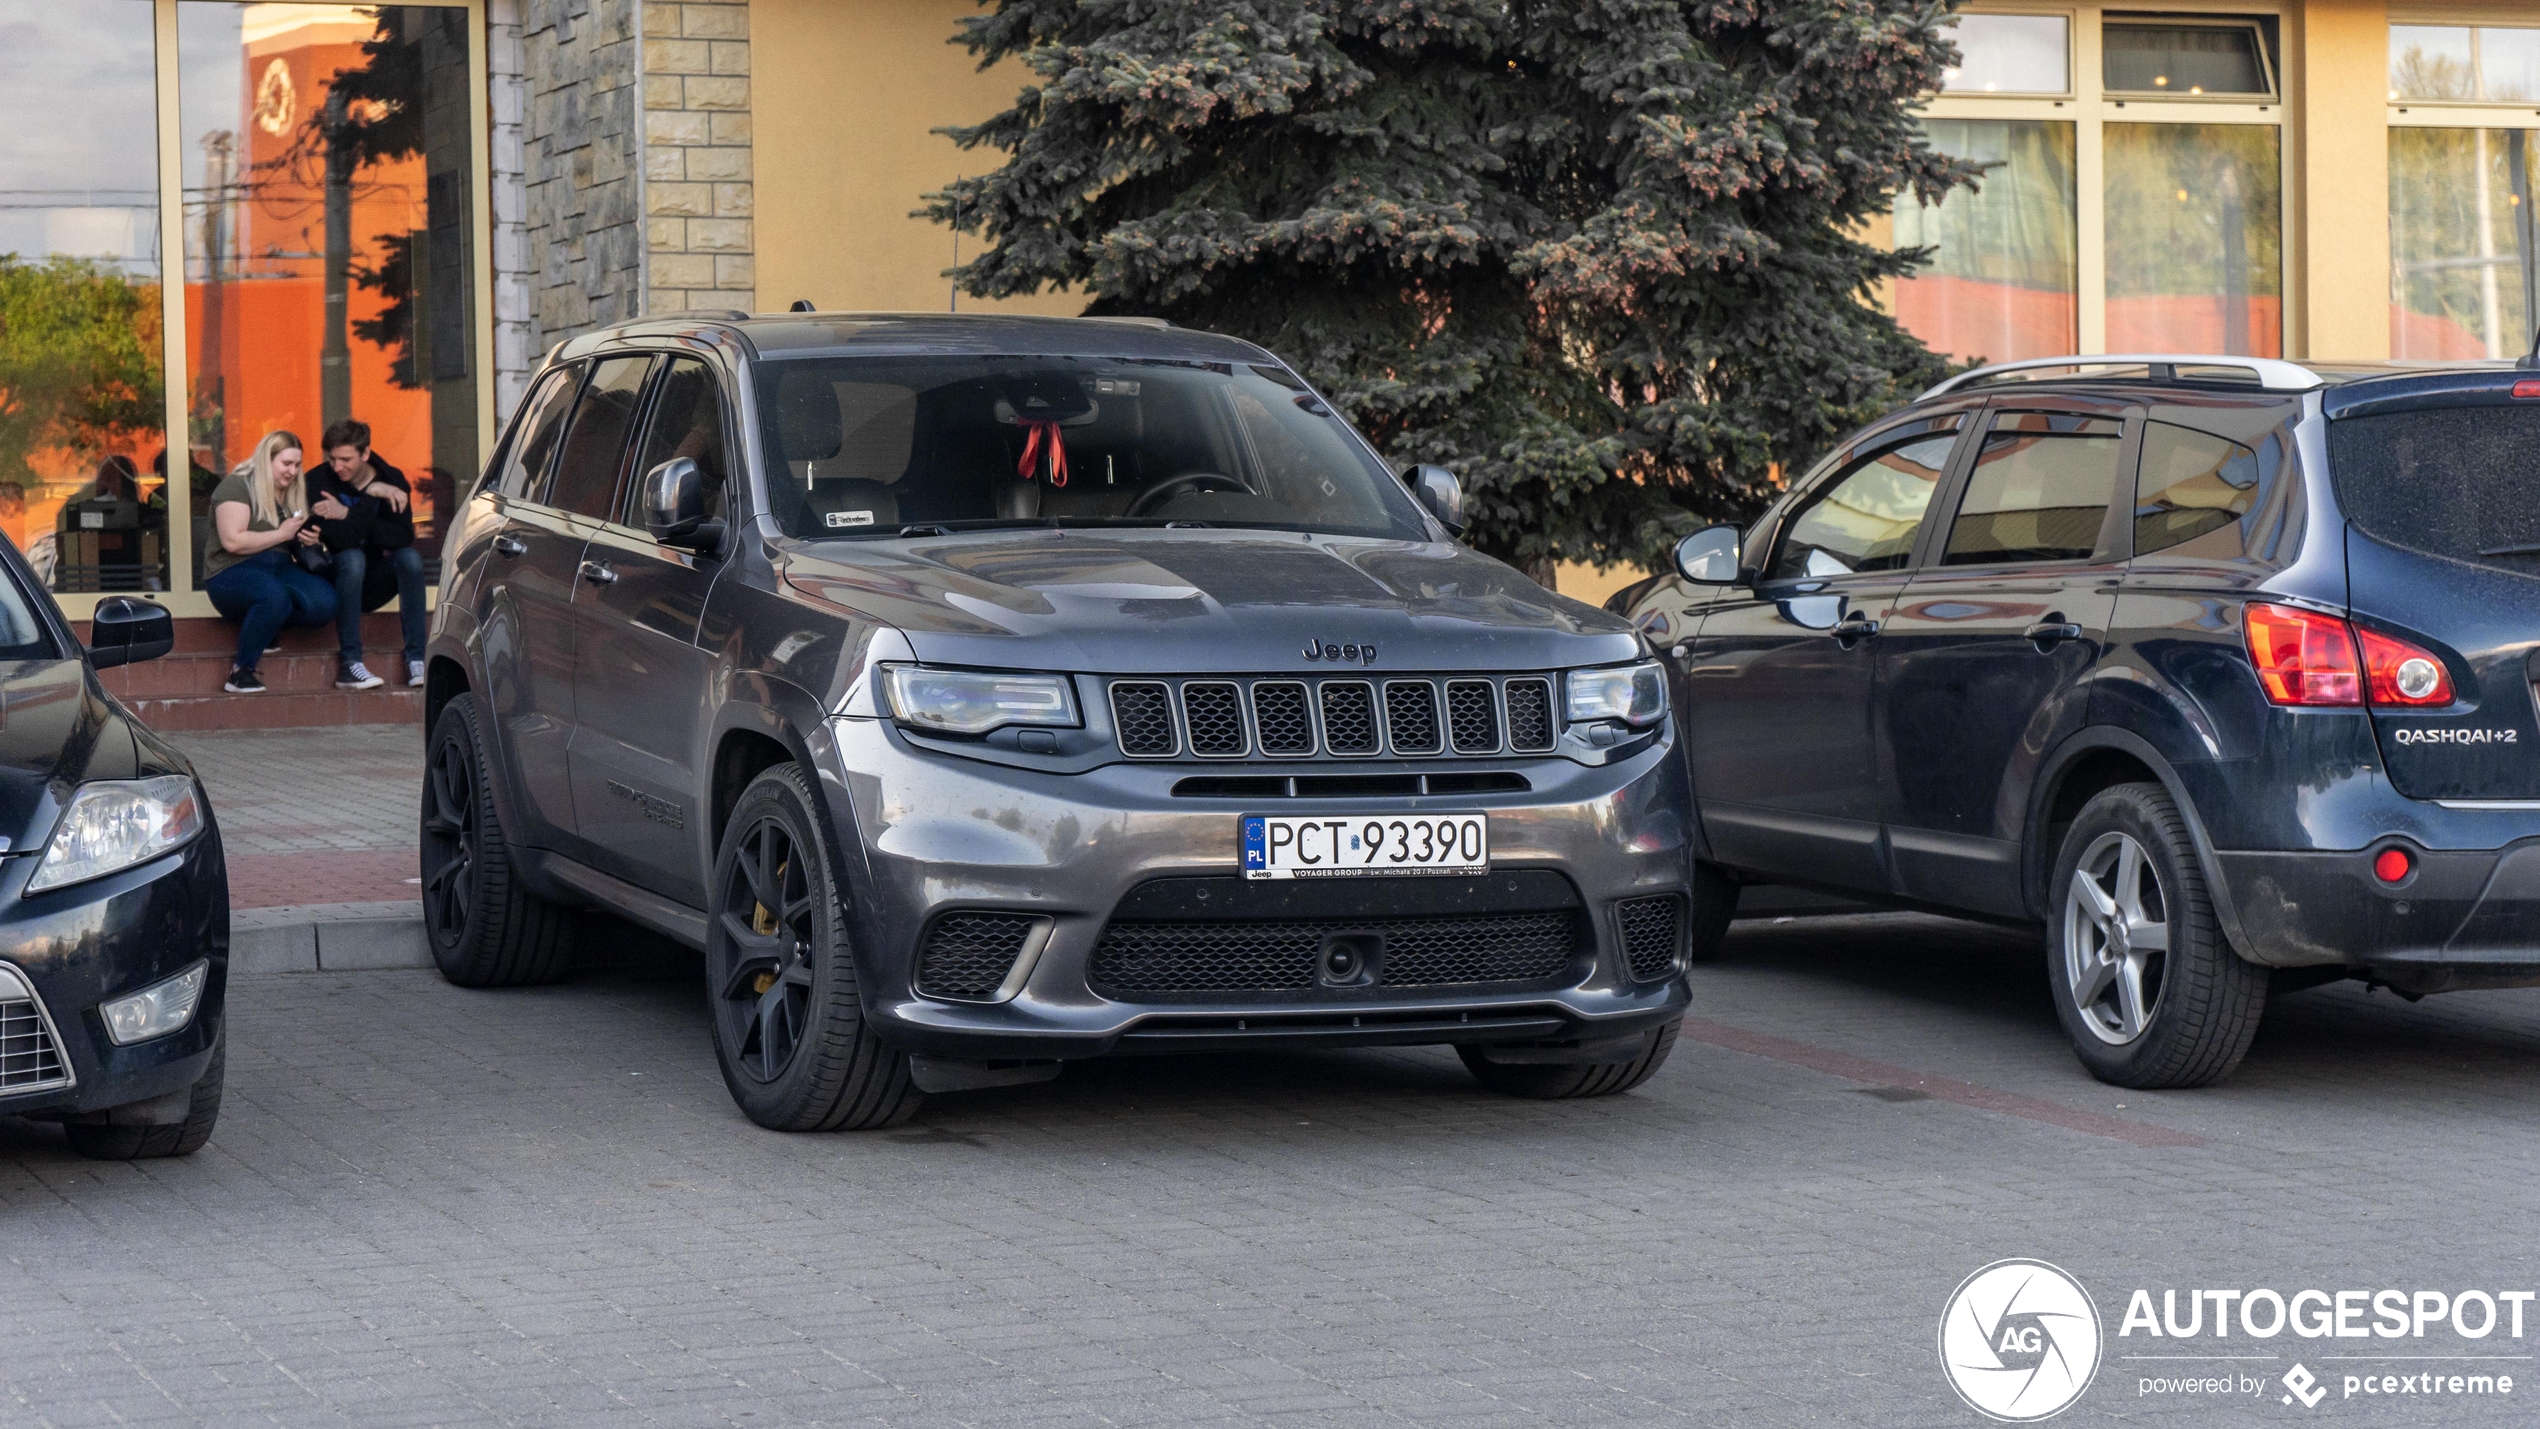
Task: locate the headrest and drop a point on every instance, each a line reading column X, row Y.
column 807, row 415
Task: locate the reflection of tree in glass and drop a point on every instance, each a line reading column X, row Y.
column 392, row 328
column 2417, row 74
column 2192, row 210
column 2462, row 249
column 79, row 360
column 2016, row 224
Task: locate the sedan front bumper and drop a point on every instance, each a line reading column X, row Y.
column 1076, row 850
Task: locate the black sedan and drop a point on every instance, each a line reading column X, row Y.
column 114, row 899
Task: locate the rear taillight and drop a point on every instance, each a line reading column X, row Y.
column 2303, row 657
column 2398, row 673
column 2306, row 658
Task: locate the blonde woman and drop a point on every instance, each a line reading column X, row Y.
column 259, row 512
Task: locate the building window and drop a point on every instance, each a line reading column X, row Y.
column 2001, row 281
column 2464, row 257
column 2132, row 190
column 82, row 394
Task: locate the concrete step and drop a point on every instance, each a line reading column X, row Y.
column 182, row 690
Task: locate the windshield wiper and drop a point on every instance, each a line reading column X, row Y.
column 2512, row 551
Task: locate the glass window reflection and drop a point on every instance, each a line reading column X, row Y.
column 2464, row 257
column 2010, row 54
column 2194, row 226
column 2003, row 276
column 82, row 404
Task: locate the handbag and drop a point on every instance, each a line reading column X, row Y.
column 316, row 560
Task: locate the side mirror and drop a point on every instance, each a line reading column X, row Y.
column 1709, row 556
column 675, row 506
column 1436, row 488
column 124, row 630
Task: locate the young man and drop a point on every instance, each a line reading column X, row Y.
column 367, row 510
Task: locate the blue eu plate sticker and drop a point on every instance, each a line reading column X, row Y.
column 1256, row 856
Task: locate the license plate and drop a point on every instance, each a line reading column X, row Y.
column 1364, row 845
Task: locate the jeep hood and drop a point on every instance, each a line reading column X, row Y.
column 1138, row 602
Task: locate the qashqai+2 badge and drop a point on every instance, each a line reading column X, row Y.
column 2019, row 1341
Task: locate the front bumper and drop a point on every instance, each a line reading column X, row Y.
column 2462, row 918
column 80, row 946
column 933, row 832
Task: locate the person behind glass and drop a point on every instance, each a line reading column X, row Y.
column 260, row 514
column 365, row 510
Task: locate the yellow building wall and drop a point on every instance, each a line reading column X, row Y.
column 849, row 92
column 2341, row 162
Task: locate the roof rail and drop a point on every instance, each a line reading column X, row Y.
column 2273, row 374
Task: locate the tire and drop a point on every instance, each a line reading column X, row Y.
column 1714, row 904
column 1539, row 1082
column 788, row 1014
column 100, row 1142
column 485, row 928
column 2148, row 989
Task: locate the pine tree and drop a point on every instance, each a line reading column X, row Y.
column 1599, row 257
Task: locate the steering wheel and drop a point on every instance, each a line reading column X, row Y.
column 1164, row 491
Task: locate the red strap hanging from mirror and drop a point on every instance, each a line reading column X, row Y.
column 1041, row 432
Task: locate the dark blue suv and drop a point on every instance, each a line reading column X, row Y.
column 2220, row 668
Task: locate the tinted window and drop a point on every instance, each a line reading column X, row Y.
column 524, row 470
column 2190, row 484
column 863, row 446
column 2456, row 482
column 688, row 422
column 586, row 471
column 1867, row 519
column 2039, row 490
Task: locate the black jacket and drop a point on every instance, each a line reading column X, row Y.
column 372, row 523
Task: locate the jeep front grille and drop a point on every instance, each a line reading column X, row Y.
column 1341, row 717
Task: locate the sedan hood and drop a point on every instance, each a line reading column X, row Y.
column 1141, row 602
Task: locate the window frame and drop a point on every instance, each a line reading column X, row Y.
column 2116, row 522
column 2090, row 107
column 625, row 514
column 1956, row 425
column 640, row 414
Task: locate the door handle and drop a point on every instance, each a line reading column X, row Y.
column 1854, row 628
column 598, row 573
column 510, row 546
column 2048, row 633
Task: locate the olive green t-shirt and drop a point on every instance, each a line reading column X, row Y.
column 233, row 487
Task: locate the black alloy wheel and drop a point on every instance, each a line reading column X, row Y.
column 788, row 1011
column 486, row 930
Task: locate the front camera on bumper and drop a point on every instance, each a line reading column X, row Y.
column 976, row 701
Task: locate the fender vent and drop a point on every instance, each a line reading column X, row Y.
column 969, row 955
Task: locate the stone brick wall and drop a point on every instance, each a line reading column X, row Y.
column 697, row 175
column 621, row 168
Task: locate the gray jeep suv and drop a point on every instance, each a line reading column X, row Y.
column 983, row 693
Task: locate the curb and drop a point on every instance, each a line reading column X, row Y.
column 326, row 937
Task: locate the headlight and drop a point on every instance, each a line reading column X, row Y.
column 116, row 823
column 156, row 1010
column 976, row 701
column 1634, row 694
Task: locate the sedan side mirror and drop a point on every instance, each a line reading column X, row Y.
column 1436, row 488
column 1709, row 556
column 124, row 630
column 675, row 506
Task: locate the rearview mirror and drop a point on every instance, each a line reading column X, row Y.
column 1709, row 556
column 124, row 630
column 675, row 506
column 1436, row 488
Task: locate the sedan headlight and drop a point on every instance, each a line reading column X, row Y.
column 976, row 701
column 157, row 1010
column 1634, row 694
column 113, row 824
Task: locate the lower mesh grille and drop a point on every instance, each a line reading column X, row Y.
column 28, row 1056
column 969, row 954
column 1649, row 936
column 1145, row 959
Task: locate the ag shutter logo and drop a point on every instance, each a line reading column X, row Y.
column 2019, row 1341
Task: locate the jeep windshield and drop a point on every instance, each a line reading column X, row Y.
column 879, row 446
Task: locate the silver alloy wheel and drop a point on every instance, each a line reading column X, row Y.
column 2116, row 938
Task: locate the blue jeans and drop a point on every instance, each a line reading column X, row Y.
column 364, row 582
column 264, row 593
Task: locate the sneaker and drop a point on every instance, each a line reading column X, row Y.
column 414, row 674
column 353, row 675
column 243, row 681
column 273, row 649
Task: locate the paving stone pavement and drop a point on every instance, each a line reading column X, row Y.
column 432, row 1206
column 314, row 816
